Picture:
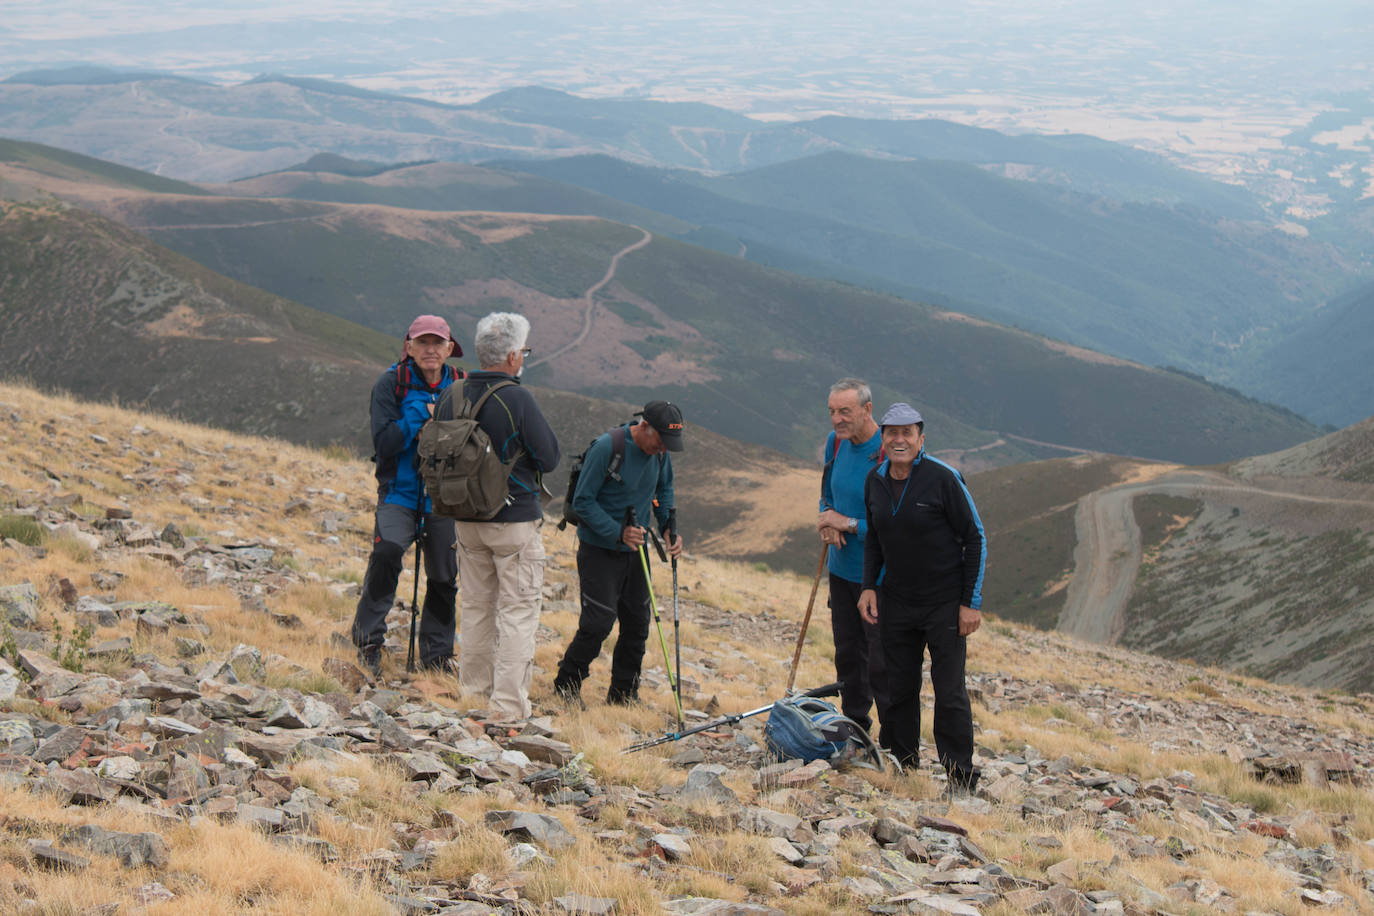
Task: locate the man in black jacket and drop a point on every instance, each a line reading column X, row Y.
column 925, row 550
column 502, row 559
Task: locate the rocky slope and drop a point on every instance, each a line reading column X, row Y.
column 183, row 730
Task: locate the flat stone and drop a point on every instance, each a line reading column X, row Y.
column 269, row 819
column 151, row 893
column 584, row 905
column 171, row 727
column 887, row 830
column 17, row 737
column 36, row 662
column 530, row 827
column 48, row 857
column 120, row 767
column 942, row 824
column 776, row 823
column 349, row 675
column 704, row 784
column 546, row 750
column 710, row 906
column 93, row 610
column 61, row 745
column 784, row 850
column 132, row 849
column 19, row 605
column 673, row 847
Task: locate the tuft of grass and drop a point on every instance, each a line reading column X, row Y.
column 21, row 528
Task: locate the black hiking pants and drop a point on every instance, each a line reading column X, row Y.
column 859, row 662
column 907, row 631
column 613, row 589
column 392, row 534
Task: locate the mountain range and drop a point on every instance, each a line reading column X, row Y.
column 1089, row 242
column 747, row 350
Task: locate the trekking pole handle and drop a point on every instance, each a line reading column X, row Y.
column 829, row 690
column 630, row 522
column 672, row 524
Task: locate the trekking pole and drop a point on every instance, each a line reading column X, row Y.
column 829, row 690
column 806, row 620
column 415, row 593
column 677, row 641
column 653, row 605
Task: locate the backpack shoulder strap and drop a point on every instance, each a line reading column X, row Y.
column 617, row 454
column 472, row 408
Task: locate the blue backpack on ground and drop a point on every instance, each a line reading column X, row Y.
column 805, row 728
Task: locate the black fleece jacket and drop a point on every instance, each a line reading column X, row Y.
column 925, row 543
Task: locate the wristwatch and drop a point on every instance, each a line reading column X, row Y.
column 853, row 526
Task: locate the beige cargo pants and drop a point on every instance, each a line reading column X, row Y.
column 501, row 574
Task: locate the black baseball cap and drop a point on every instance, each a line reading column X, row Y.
column 666, row 419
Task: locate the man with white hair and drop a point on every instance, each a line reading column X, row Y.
column 502, row 559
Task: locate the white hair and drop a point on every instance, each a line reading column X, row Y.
column 498, row 335
column 856, row 385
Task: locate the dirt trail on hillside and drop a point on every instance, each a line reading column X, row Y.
column 1107, row 556
column 589, row 298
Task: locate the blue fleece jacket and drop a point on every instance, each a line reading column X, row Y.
column 842, row 489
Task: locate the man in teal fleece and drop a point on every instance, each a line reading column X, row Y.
column 609, row 570
column 852, row 449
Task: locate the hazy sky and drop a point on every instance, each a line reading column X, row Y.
column 779, row 55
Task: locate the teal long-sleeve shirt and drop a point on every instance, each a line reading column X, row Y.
column 842, row 489
column 600, row 502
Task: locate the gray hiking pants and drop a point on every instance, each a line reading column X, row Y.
column 392, row 534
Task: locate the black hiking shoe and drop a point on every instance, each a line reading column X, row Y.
column 370, row 657
column 622, row 696
column 444, row 664
column 569, row 691
column 963, row 783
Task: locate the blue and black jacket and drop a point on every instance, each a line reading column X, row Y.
column 514, row 423
column 925, row 541
column 398, row 410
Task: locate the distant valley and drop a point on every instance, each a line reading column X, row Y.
column 1089, row 242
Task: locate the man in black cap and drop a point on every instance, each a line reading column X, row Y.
column 625, row 468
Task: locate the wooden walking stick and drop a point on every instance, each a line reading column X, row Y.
column 801, row 637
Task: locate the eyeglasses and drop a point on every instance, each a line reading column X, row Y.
column 526, row 351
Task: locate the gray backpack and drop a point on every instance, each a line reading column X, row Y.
column 463, row 474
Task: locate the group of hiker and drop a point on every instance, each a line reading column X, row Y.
column 905, row 544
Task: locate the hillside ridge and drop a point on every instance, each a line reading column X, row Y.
column 184, row 729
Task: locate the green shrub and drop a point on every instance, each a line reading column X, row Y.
column 22, row 528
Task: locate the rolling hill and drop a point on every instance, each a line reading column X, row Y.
column 1162, row 285
column 748, row 351
column 1265, row 566
column 91, row 307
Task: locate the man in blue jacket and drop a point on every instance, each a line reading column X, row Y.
column 502, row 558
column 609, row 570
column 851, row 451
column 402, row 401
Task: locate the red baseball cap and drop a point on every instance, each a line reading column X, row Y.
column 432, row 324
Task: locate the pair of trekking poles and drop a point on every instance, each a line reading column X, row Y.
column 674, row 680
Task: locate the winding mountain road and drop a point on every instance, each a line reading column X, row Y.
column 1107, row 557
column 589, row 298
